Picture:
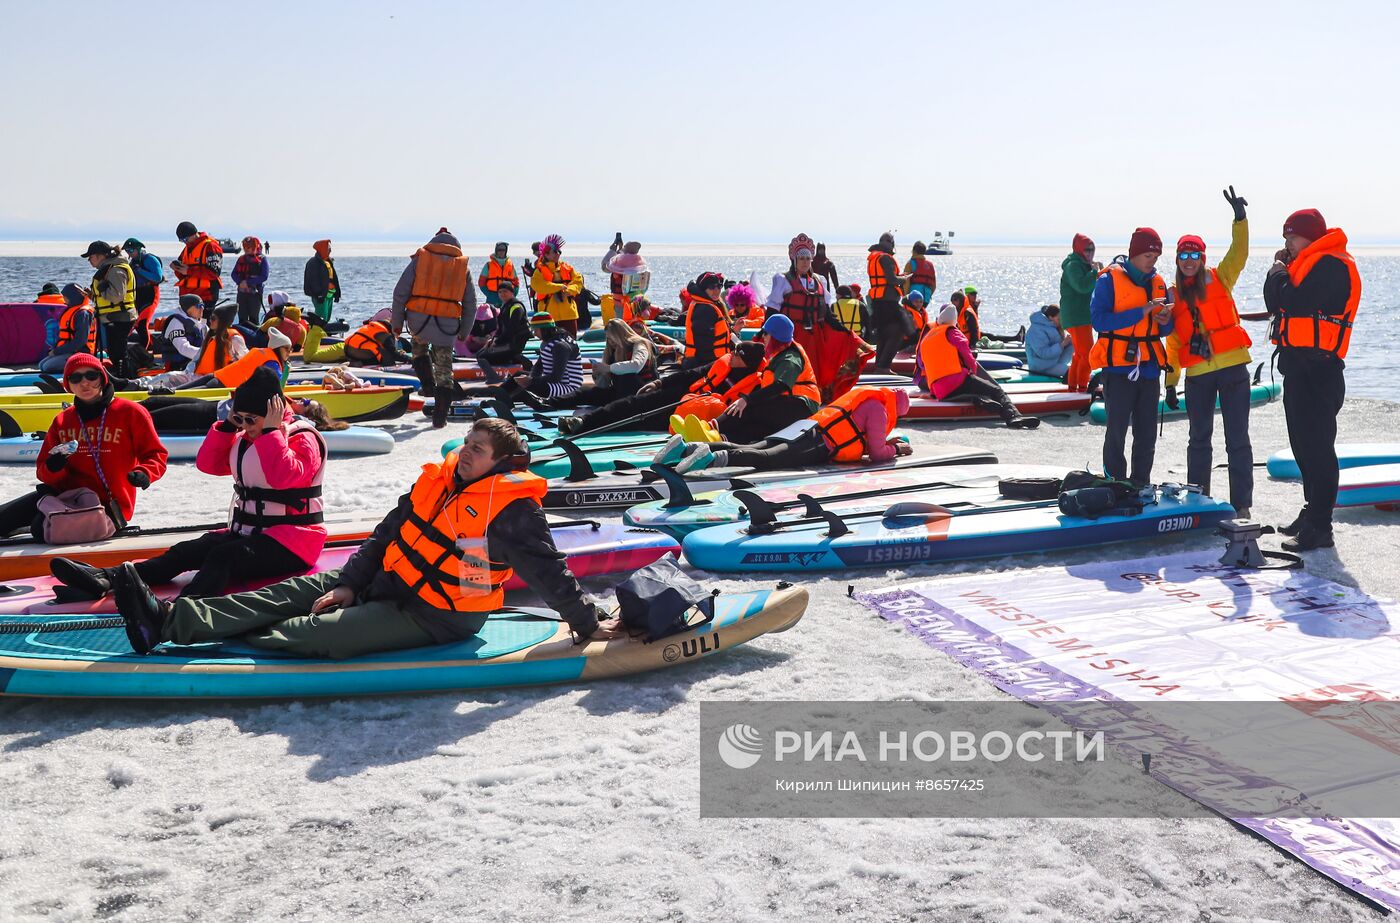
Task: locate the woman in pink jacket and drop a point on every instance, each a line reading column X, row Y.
column 277, row 461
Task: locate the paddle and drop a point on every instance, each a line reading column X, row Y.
column 813, row 507
column 837, row 522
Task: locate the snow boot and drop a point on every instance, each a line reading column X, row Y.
column 442, row 406
column 672, row 451
column 81, row 581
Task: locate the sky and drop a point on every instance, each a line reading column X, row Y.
column 699, row 122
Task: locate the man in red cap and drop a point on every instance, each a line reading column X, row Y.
column 1312, row 292
column 1078, row 273
column 1128, row 308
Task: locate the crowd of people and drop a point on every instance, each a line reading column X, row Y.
column 789, row 397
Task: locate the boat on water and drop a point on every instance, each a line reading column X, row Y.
column 229, row 245
column 940, row 245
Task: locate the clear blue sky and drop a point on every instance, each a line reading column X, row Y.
column 711, row 121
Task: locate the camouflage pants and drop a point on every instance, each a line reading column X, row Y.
column 442, row 361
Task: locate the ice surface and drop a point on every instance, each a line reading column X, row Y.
column 582, row 801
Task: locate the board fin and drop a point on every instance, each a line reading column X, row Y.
column 678, row 491
column 9, row 428
column 579, row 467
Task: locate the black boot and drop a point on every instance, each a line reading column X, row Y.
column 82, row 581
column 1297, row 524
column 1309, row 537
column 1019, row 421
column 530, row 399
column 143, row 612
column 442, row 406
column 423, row 368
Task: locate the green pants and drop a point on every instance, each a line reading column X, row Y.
column 313, row 351
column 323, row 305
column 442, row 359
column 276, row 617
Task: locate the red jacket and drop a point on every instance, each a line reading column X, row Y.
column 125, row 442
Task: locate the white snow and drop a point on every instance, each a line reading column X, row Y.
column 582, row 801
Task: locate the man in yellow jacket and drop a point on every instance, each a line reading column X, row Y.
column 556, row 284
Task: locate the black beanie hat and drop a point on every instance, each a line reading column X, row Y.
column 252, row 396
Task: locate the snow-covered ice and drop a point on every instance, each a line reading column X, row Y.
column 582, row 801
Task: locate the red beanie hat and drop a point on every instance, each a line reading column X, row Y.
column 1082, row 243
column 1144, row 240
column 1190, row 243
column 1305, row 222
column 80, row 361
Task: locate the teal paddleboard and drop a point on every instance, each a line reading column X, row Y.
column 86, row 657
column 1282, row 465
column 1258, row 394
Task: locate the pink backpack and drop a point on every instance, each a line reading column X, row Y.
column 75, row 517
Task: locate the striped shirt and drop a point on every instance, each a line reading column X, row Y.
column 560, row 367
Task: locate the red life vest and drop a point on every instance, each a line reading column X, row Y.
column 804, row 305
column 923, row 273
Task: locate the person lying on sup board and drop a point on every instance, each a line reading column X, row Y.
column 855, row 425
column 431, row 573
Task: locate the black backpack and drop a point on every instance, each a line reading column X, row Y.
column 1089, row 496
column 656, row 601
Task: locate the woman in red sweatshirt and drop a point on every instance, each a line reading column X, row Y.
column 276, row 461
column 104, row 443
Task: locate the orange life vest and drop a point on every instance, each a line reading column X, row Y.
column 206, row 364
column 923, row 273
column 836, row 421
column 239, row 371
column 364, row 339
column 1138, row 343
column 721, row 332
column 1220, row 322
column 712, row 382
column 425, row 553
column 562, row 302
column 1329, row 332
column 940, row 357
column 803, row 305
column 806, row 384
column 67, row 328
column 496, row 273
column 199, row 278
column 440, row 274
column 879, row 289
column 50, row 299
column 970, row 324
column 918, row 315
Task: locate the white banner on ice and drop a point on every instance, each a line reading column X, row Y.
column 1185, row 629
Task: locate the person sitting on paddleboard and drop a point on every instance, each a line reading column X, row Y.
column 1049, row 349
column 506, row 345
column 277, row 462
column 709, row 329
column 557, row 372
column 946, row 369
column 77, row 330
column 431, row 572
column 104, row 443
column 780, row 392
column 629, row 361
column 854, row 426
column 652, row 405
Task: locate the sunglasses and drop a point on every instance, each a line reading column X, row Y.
column 1193, row 255
column 84, row 376
column 243, row 419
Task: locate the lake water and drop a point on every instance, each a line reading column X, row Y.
column 1012, row 281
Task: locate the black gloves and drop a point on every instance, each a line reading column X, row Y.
column 57, row 461
column 1236, row 202
column 1172, row 400
column 139, row 478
